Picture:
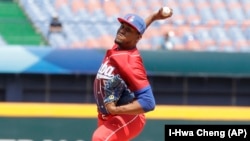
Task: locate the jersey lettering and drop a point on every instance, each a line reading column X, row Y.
column 105, row 71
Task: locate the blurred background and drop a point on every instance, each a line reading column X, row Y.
column 50, row 50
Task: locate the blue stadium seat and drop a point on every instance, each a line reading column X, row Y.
column 245, row 6
column 179, row 18
column 222, row 40
column 203, row 36
column 236, row 34
column 247, row 33
column 238, row 38
column 65, row 13
column 221, row 14
column 70, row 33
column 191, row 14
column 236, row 13
column 178, row 43
column 207, row 16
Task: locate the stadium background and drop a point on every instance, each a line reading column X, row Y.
column 46, row 82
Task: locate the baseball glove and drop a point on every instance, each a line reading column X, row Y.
column 116, row 91
column 126, row 97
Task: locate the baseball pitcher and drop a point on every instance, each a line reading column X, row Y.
column 121, row 87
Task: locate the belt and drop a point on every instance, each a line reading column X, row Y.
column 104, row 116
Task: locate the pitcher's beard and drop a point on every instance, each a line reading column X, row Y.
column 118, row 42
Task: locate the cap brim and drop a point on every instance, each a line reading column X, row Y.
column 121, row 20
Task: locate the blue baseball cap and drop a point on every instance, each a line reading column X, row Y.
column 135, row 21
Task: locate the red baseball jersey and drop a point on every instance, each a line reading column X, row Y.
column 128, row 64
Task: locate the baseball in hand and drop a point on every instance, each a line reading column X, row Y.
column 166, row 11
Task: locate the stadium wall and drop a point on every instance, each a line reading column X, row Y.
column 46, row 60
column 45, row 74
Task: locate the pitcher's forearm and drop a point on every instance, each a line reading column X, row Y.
column 131, row 108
